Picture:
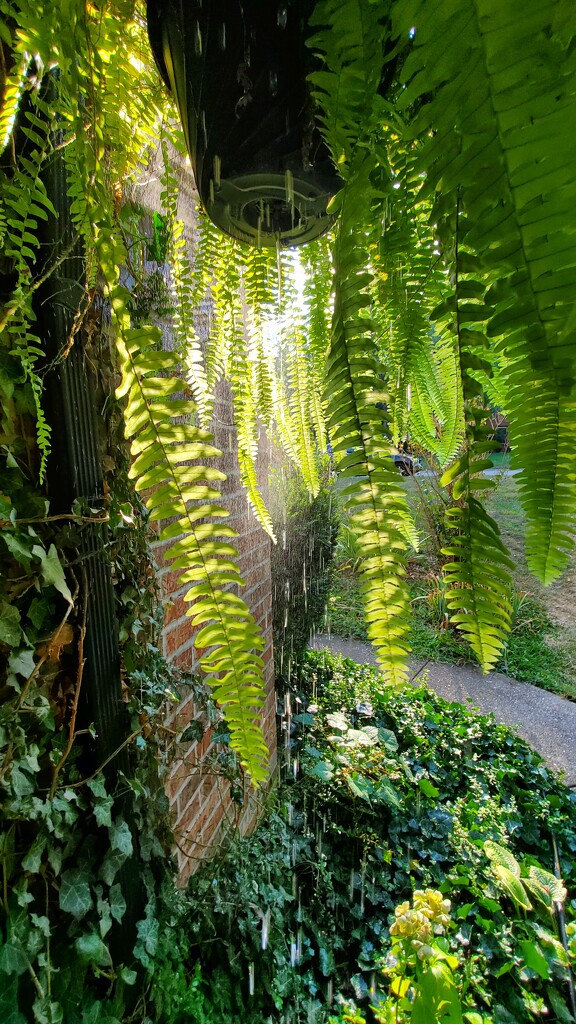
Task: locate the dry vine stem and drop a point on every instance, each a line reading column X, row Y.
column 79, row 675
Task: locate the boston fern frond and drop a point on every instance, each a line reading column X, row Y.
column 352, row 39
column 479, row 577
column 183, row 498
column 242, row 377
column 182, row 287
column 410, row 279
column 296, row 370
column 491, row 91
column 316, row 262
column 357, row 426
column 479, row 570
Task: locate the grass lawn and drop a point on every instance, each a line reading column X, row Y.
column 542, row 645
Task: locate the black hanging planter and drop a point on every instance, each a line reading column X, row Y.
column 237, row 70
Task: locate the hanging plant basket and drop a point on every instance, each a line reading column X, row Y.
column 237, row 70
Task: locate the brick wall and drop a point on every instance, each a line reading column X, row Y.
column 200, row 797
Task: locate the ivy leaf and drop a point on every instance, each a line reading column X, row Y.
column 193, row 733
column 13, row 960
column 359, row 786
column 130, row 977
column 9, row 1013
column 92, row 950
column 385, row 791
column 103, row 912
column 40, row 612
column 18, row 548
column 111, row 864
column 52, row 571
column 147, row 936
column 21, row 784
column 42, row 924
column 75, row 897
column 428, row 788
column 117, row 902
column 21, row 663
column 47, row 1012
column 102, row 802
column 388, row 738
column 338, row 721
column 95, row 1015
column 33, row 859
column 10, row 632
column 322, row 770
column 121, row 838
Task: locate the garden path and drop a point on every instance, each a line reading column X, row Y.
column 544, row 719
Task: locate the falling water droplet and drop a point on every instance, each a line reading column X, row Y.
column 273, row 83
column 352, row 884
column 222, row 37
column 217, row 170
column 293, row 954
column 330, row 992
column 251, row 979
column 265, row 928
column 282, row 16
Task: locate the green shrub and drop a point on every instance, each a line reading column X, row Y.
column 395, row 793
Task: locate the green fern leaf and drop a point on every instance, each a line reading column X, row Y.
column 181, row 492
column 491, row 94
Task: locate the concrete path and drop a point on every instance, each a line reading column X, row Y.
column 544, row 719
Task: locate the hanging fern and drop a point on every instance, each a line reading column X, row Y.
column 492, row 91
column 356, row 421
column 355, row 393
column 24, row 202
column 105, row 108
column 187, row 343
column 296, row 371
column 182, row 496
column 316, row 263
column 410, row 280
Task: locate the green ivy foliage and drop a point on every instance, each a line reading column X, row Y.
column 392, row 796
column 85, row 856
